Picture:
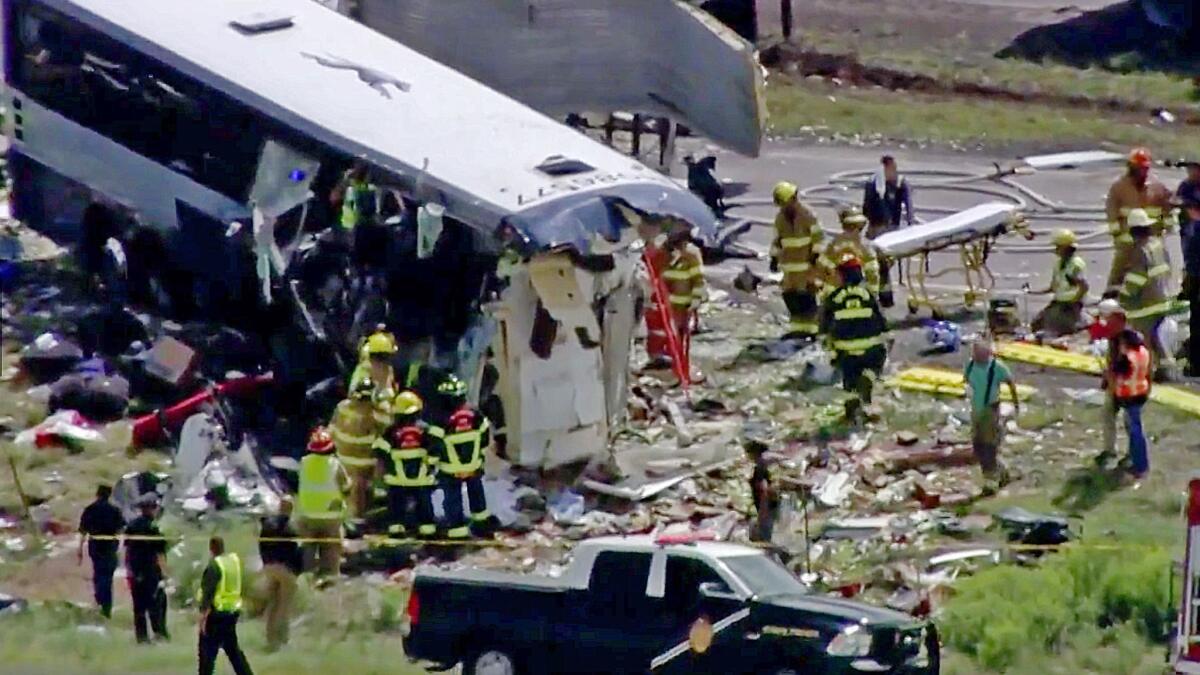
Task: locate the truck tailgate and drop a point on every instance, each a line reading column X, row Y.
column 460, row 610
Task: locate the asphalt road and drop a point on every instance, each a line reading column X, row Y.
column 812, row 165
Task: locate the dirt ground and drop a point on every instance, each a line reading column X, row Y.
column 979, row 25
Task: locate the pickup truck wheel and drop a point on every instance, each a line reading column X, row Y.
column 491, row 662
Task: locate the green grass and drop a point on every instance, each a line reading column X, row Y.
column 49, row 641
column 795, row 108
column 959, row 63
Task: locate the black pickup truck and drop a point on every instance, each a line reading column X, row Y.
column 643, row 605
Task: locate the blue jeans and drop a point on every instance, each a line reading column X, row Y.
column 1138, row 453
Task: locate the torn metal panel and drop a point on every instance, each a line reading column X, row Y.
column 562, row 358
column 565, row 56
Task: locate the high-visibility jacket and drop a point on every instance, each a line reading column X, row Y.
column 684, row 278
column 228, row 597
column 845, row 243
column 852, row 320
column 322, row 488
column 797, row 243
column 1145, row 272
column 1065, row 284
column 355, row 426
column 1125, row 195
column 1136, row 380
column 468, row 434
column 360, row 199
column 412, row 453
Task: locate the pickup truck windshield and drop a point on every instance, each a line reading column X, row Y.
column 764, row 576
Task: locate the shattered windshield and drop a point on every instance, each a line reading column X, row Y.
column 763, row 575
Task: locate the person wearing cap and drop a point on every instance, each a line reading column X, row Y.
column 794, row 252
column 855, row 327
column 850, row 242
column 1068, row 288
column 321, row 505
column 1137, row 189
column 357, row 422
column 887, row 204
column 410, row 451
column 1142, row 292
column 375, row 362
column 468, row 435
column 146, row 566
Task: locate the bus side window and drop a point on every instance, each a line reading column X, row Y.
column 145, row 106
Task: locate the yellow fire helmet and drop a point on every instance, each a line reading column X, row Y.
column 1064, row 238
column 407, row 403
column 381, row 343
column 784, row 192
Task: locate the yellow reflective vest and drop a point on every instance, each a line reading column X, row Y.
column 228, row 597
column 1064, row 284
column 322, row 485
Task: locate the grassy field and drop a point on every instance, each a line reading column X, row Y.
column 797, row 108
column 952, row 61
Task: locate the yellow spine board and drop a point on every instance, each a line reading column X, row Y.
column 945, row 382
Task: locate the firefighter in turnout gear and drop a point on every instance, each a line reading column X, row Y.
column 375, row 362
column 1068, row 287
column 1144, row 271
column 683, row 277
column 357, row 422
column 851, row 242
column 321, row 504
column 855, row 327
column 794, row 251
column 410, row 451
column 1137, row 189
column 468, row 436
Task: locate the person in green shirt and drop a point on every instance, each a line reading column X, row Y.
column 983, row 375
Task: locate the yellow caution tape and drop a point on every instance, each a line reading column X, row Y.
column 374, row 540
column 945, row 382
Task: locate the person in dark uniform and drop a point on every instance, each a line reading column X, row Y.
column 101, row 519
column 145, row 560
column 762, row 488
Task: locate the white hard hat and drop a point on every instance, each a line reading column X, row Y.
column 1138, row 218
column 1109, row 307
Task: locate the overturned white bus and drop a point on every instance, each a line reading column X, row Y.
column 168, row 122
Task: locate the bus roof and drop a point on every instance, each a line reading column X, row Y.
column 364, row 94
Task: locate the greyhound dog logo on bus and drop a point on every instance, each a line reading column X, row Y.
column 375, row 79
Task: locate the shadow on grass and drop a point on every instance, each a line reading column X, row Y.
column 1087, row 488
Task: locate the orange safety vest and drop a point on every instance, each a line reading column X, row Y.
column 1136, row 382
